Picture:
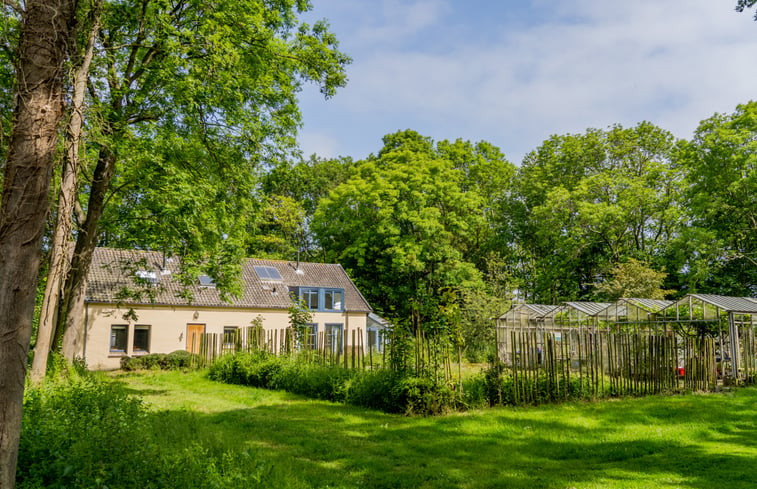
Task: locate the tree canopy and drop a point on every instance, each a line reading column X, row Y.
column 409, row 222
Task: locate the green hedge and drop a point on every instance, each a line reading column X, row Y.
column 376, row 389
column 177, row 360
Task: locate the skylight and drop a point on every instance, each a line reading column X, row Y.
column 147, row 276
column 206, row 281
column 267, row 273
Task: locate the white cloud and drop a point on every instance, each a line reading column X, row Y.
column 591, row 64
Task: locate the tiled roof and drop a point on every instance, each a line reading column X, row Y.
column 113, row 272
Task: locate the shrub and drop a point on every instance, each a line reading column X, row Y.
column 177, row 360
column 82, row 432
column 475, row 392
column 374, row 389
column 377, row 389
column 421, row 395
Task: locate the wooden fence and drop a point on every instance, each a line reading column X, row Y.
column 557, row 363
column 325, row 348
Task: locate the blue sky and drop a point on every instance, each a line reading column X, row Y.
column 514, row 72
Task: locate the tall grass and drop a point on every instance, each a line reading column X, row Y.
column 384, row 389
column 80, row 431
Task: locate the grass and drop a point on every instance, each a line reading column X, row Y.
column 693, row 441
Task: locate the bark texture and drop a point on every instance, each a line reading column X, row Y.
column 42, row 52
column 61, row 245
column 71, row 321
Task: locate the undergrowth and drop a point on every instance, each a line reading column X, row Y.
column 381, row 389
column 81, row 431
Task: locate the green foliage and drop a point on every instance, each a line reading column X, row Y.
column 82, row 432
column 501, row 388
column 744, row 4
column 632, row 278
column 719, row 248
column 381, row 389
column 189, row 101
column 177, row 360
column 587, row 201
column 299, row 318
column 410, row 223
column 278, row 232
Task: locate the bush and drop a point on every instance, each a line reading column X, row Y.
column 377, row 389
column 81, row 432
column 177, row 360
column 421, row 395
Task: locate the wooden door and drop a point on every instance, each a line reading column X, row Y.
column 194, row 337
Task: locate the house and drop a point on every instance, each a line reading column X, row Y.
column 376, row 330
column 136, row 304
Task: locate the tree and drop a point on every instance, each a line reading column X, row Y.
column 744, row 4
column 279, row 231
column 585, row 202
column 61, row 240
column 307, row 181
column 718, row 249
column 42, row 49
column 406, row 226
column 217, row 82
column 632, row 278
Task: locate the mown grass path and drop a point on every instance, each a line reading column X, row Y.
column 693, row 441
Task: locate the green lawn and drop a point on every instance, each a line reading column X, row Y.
column 694, row 441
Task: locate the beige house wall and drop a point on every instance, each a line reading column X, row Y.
column 168, row 327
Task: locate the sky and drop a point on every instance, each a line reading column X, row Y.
column 515, row 72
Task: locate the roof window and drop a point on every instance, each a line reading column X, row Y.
column 206, row 281
column 147, row 276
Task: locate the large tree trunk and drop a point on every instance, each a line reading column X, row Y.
column 39, row 107
column 61, row 245
column 71, row 323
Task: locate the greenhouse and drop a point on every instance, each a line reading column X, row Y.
column 705, row 339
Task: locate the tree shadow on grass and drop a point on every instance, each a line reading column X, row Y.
column 330, row 445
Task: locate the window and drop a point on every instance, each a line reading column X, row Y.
column 310, row 337
column 375, row 339
column 332, row 299
column 146, row 276
column 141, row 338
column 267, row 273
column 230, row 336
column 333, row 337
column 118, row 335
column 206, row 282
column 310, row 298
column 318, row 299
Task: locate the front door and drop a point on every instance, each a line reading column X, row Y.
column 194, row 337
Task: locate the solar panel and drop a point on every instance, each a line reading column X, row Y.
column 267, row 273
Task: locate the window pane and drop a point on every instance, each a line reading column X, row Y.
column 310, row 298
column 333, row 337
column 338, row 300
column 118, row 338
column 333, row 300
column 142, row 338
column 206, row 281
column 311, row 336
column 230, row 335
